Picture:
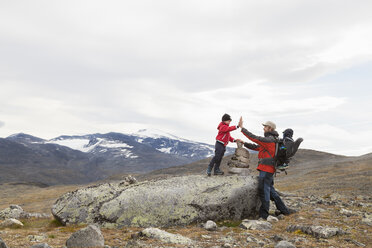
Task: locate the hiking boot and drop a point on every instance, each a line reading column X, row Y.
column 219, row 173
column 290, row 211
column 277, row 212
column 208, row 173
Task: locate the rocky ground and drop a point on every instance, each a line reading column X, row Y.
column 331, row 220
column 333, row 200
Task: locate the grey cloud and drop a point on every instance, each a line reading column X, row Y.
column 195, row 48
column 144, row 61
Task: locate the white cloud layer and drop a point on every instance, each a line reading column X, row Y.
column 72, row 67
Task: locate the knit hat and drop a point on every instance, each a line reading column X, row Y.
column 288, row 133
column 226, row 117
column 270, row 124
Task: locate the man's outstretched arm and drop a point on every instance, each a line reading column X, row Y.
column 262, row 141
column 251, row 146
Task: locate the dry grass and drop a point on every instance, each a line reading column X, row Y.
column 347, row 178
column 31, row 198
column 56, row 235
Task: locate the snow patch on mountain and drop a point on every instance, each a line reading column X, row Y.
column 100, row 145
column 165, row 150
column 112, row 144
column 76, row 144
column 156, row 134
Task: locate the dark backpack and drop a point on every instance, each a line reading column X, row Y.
column 285, row 149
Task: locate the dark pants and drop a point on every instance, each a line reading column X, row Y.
column 267, row 192
column 218, row 155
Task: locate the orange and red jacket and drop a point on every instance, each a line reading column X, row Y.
column 266, row 149
column 224, row 133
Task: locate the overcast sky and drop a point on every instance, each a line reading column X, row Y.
column 78, row 67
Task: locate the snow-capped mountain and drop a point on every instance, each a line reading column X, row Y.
column 171, row 144
column 126, row 145
column 95, row 156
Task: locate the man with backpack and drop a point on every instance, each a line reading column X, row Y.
column 266, row 147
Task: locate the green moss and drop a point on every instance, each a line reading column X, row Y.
column 327, row 196
column 299, row 232
column 55, row 223
column 229, row 223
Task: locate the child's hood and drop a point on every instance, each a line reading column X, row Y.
column 221, row 124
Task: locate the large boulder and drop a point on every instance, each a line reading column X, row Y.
column 175, row 201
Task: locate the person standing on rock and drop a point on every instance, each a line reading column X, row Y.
column 266, row 147
column 222, row 139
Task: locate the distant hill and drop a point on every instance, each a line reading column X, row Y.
column 304, row 160
column 86, row 158
column 309, row 171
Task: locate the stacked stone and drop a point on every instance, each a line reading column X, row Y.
column 239, row 162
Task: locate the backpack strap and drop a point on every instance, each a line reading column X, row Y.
column 271, row 160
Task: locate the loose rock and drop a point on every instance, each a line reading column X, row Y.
column 17, row 212
column 335, row 196
column 211, row 225
column 43, row 245
column 319, row 210
column 346, row 212
column 277, row 238
column 367, row 220
column 256, row 225
column 38, row 215
column 165, row 237
column 284, row 244
column 36, row 238
column 2, row 244
column 128, row 180
column 355, row 242
column 11, row 223
column 133, row 244
column 316, row 231
column 272, row 219
column 13, row 212
column 90, row 236
column 281, row 217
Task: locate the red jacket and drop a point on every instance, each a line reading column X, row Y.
column 266, row 149
column 224, row 133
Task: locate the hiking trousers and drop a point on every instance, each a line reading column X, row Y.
column 218, row 155
column 267, row 192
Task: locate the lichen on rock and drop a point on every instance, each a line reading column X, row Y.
column 169, row 202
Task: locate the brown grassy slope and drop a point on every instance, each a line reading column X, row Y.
column 310, row 171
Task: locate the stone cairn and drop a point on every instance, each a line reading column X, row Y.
column 239, row 162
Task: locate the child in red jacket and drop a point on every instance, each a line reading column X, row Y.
column 222, row 139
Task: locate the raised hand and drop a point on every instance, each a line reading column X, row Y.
column 240, row 122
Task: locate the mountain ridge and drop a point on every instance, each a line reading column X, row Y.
column 92, row 157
